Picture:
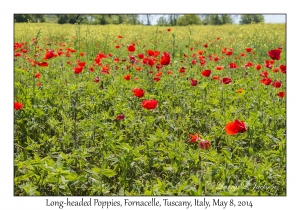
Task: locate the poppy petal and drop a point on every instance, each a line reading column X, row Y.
column 231, row 128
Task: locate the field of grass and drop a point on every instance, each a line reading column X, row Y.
column 146, row 110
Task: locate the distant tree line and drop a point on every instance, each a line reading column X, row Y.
column 134, row 19
column 35, row 18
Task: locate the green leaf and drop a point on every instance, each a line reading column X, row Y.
column 108, row 172
column 251, row 151
column 195, row 179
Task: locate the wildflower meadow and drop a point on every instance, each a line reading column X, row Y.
column 149, row 110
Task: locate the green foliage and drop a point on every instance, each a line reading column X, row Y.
column 173, row 19
column 217, row 19
column 162, row 21
column 70, row 18
column 186, row 20
column 35, row 18
column 101, row 19
column 248, row 19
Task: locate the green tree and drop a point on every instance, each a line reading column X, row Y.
column 38, row 18
column 162, row 21
column 35, row 18
column 216, row 19
column 133, row 19
column 173, row 19
column 21, row 18
column 188, row 20
column 248, row 19
column 62, row 19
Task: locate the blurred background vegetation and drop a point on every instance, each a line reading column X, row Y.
column 143, row 19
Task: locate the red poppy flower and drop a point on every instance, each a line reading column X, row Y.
column 202, row 57
column 240, row 90
column 266, row 81
column 204, row 144
column 194, row 138
column 49, row 54
column 120, row 117
column 264, row 74
column 158, row 74
column 258, row 67
column 281, row 94
column 116, row 60
column 194, row 82
column 205, row 45
column 42, row 64
column 104, row 72
column 242, row 54
column 168, row 29
column 96, row 79
column 131, row 59
column 127, row 77
column 275, row 70
column 37, row 75
column 226, row 80
column 194, row 62
column 17, row 45
column 216, row 59
column 249, row 64
column 138, row 68
column 18, row 105
column 219, row 68
column 81, row 54
column 149, row 104
column 277, row 84
column 105, row 68
column 215, row 77
column 150, row 62
column 39, row 84
column 232, row 65
column 120, row 37
column 138, row 92
column 248, row 49
column 235, row 127
column 228, row 53
column 78, row 69
column 165, row 59
column 158, row 67
column 79, row 63
column 156, row 79
column 182, row 69
column 150, row 52
column 274, row 54
column 169, row 72
column 206, row 73
column 18, row 54
column 131, row 48
column 269, row 63
column 200, row 52
column 141, row 56
column 282, row 69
